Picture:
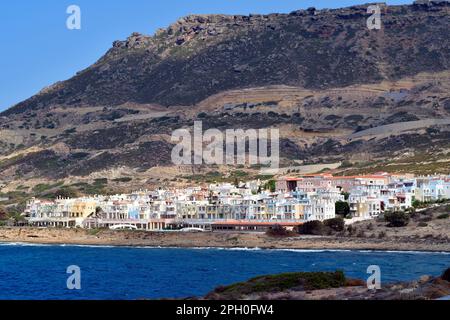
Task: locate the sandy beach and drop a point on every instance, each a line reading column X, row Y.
column 218, row 240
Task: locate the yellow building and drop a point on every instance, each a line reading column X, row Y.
column 82, row 209
column 299, row 211
column 359, row 209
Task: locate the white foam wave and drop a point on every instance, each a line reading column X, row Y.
column 23, row 244
column 27, row 244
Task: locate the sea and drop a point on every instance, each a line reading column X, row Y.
column 40, row 272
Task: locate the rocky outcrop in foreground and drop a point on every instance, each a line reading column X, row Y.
column 330, row 286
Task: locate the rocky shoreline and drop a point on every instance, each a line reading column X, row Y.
column 217, row 240
column 331, row 286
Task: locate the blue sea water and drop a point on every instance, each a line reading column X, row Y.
column 38, row 272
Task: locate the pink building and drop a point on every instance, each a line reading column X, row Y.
column 312, row 183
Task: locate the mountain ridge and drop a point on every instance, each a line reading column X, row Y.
column 164, row 64
column 318, row 76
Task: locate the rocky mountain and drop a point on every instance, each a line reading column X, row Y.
column 337, row 90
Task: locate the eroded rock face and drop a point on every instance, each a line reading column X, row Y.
column 194, row 57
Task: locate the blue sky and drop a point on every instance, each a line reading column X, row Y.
column 37, row 49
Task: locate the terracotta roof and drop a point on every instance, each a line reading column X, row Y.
column 360, row 177
column 292, row 179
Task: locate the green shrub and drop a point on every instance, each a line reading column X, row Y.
column 345, row 164
column 278, row 231
column 416, row 204
column 351, row 230
column 397, row 219
column 282, row 282
column 124, row 179
column 313, row 228
column 44, row 187
column 361, row 234
column 336, row 224
column 100, row 181
column 342, row 209
column 270, row 185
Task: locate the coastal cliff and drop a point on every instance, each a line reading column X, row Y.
column 330, row 286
